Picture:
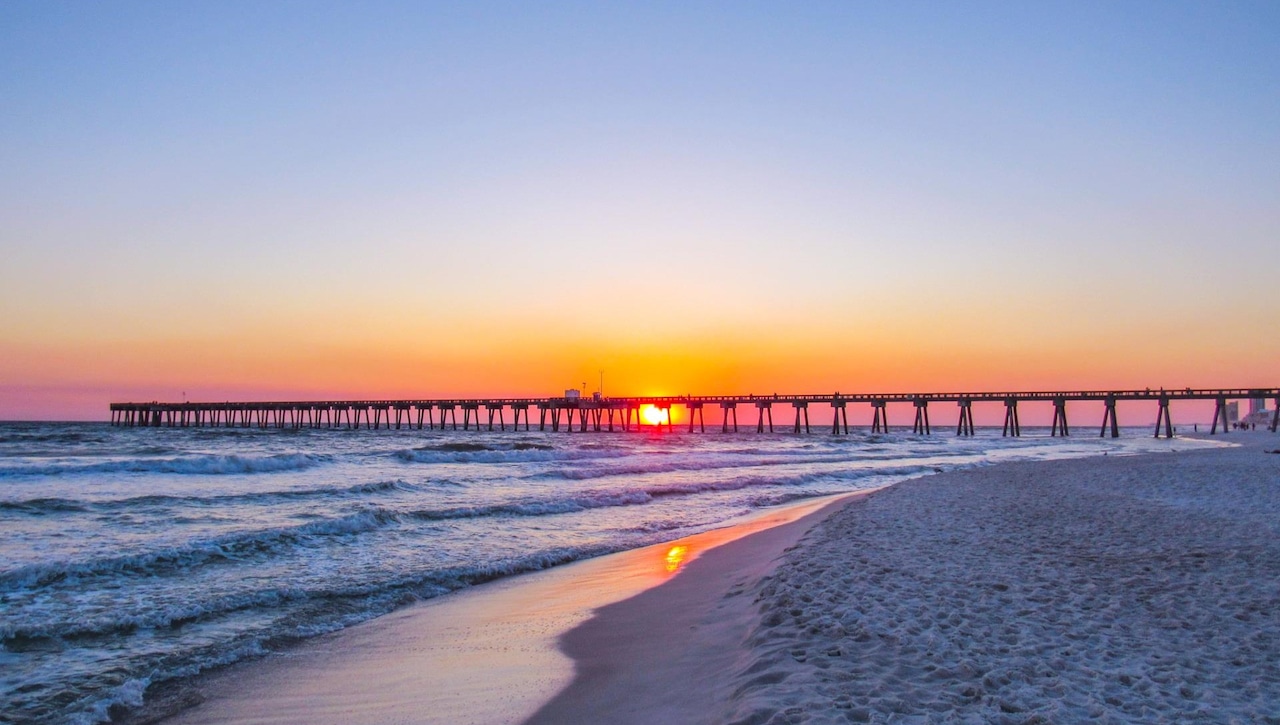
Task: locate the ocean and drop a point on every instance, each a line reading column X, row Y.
column 131, row 557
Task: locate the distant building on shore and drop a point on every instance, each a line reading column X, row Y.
column 1258, row 413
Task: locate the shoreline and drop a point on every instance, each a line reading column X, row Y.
column 501, row 647
column 486, row 654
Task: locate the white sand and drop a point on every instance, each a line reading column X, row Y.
column 1138, row 589
column 1117, row 590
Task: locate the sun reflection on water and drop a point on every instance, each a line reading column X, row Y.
column 675, row 558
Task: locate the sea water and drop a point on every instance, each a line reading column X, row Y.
column 131, row 557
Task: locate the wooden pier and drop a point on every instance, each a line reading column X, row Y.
column 601, row 414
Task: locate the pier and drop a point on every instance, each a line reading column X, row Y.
column 598, row 414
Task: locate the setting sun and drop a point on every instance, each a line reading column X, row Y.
column 654, row 415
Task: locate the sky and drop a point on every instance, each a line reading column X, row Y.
column 278, row 200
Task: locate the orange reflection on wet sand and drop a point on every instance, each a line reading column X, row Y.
column 675, row 558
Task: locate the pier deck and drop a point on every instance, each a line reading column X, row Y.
column 598, row 413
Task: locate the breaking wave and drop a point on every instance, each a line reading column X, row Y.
column 40, row 506
column 172, row 559
column 484, row 454
column 194, row 465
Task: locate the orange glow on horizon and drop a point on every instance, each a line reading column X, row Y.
column 70, row 379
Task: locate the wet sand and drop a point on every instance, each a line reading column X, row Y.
column 488, row 654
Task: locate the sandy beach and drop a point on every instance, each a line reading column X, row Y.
column 1121, row 589
column 1116, row 589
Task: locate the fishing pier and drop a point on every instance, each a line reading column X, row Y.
column 583, row 414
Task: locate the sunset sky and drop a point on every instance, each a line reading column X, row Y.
column 278, row 200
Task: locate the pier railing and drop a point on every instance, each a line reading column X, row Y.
column 598, row 413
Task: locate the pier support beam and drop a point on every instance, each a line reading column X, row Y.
column 516, row 411
column 1059, row 418
column 839, row 415
column 964, row 427
column 447, row 411
column 496, row 408
column 1275, row 414
column 726, row 410
column 1011, row 425
column 801, row 409
column 1109, row 416
column 695, row 409
column 879, row 416
column 763, row 409
column 1162, row 415
column 1219, row 413
column 922, row 417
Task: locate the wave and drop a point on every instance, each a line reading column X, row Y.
column 42, row 506
column 229, row 547
column 735, row 461
column 236, row 546
column 646, row 494
column 537, row 507
column 51, row 437
column 417, row 586
column 195, row 465
column 323, row 611
column 699, row 464
column 484, row 454
column 14, row 637
column 474, row 447
column 778, row 499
